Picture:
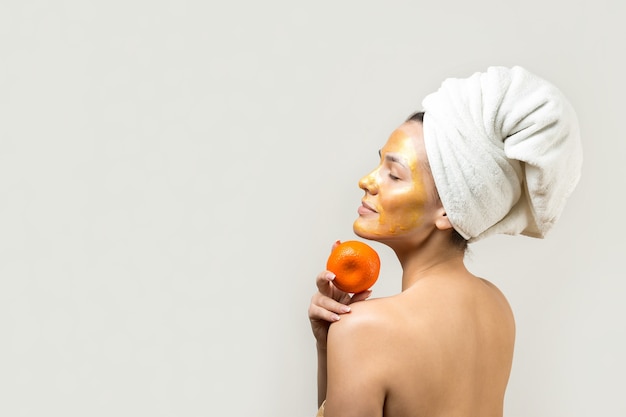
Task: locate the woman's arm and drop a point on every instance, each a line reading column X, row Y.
column 327, row 304
column 357, row 351
column 321, row 375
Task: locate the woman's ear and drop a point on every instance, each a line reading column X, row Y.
column 442, row 222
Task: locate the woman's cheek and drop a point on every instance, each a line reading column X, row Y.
column 405, row 215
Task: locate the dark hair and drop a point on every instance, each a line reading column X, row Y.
column 455, row 237
column 416, row 117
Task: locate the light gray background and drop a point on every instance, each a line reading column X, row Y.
column 173, row 173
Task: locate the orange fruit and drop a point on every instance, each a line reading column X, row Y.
column 355, row 264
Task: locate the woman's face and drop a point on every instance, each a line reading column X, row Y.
column 400, row 197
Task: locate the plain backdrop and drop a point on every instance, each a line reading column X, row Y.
column 173, row 175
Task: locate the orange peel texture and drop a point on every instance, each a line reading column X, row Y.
column 356, row 266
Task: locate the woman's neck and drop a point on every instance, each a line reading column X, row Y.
column 437, row 257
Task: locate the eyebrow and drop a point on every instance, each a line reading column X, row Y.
column 393, row 158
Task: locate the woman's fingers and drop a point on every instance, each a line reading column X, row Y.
column 325, row 308
column 330, row 304
column 317, row 313
column 323, row 281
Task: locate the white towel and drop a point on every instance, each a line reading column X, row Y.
column 505, row 152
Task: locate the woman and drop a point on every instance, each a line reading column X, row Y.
column 498, row 152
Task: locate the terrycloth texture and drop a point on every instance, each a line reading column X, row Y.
column 505, row 152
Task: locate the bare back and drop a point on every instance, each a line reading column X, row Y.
column 445, row 343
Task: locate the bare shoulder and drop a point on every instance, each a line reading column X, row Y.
column 425, row 304
column 460, row 308
column 364, row 325
column 464, row 291
column 356, row 369
column 498, row 298
column 371, row 337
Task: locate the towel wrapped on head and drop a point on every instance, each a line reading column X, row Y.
column 505, row 152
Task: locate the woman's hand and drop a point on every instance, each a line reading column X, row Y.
column 328, row 303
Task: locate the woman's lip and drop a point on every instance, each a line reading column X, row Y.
column 365, row 208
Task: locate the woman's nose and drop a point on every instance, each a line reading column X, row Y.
column 368, row 183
